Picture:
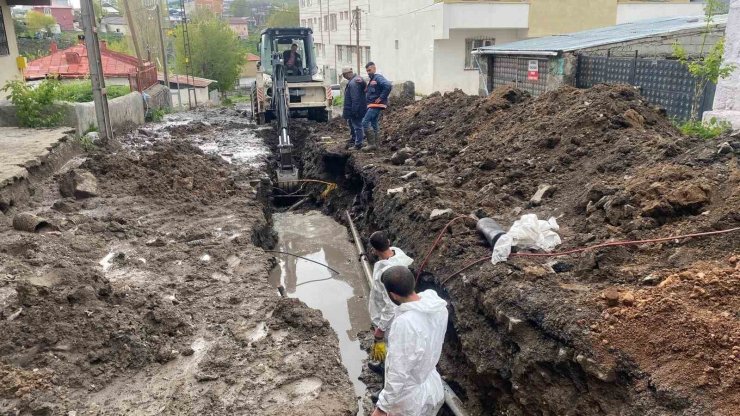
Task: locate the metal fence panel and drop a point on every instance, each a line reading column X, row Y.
column 663, row 82
column 512, row 70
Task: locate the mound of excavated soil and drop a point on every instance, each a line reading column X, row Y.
column 168, row 171
column 153, row 298
column 583, row 334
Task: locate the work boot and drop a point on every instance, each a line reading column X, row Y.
column 350, row 143
column 372, row 141
column 377, row 367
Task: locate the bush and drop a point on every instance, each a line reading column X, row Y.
column 81, row 91
column 34, row 106
column 338, row 101
column 705, row 130
column 156, row 115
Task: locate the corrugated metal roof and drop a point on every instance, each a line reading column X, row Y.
column 603, row 36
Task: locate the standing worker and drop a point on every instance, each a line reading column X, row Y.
column 381, row 308
column 412, row 386
column 377, row 92
column 355, row 106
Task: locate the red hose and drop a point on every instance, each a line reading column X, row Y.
column 594, row 247
column 436, row 242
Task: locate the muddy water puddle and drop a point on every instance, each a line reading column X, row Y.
column 341, row 298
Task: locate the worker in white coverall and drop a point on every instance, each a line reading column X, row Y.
column 381, row 307
column 412, row 386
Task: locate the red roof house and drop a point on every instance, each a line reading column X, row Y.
column 72, row 63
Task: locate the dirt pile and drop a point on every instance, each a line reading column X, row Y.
column 152, row 298
column 608, row 166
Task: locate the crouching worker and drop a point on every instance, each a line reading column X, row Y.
column 381, row 307
column 412, row 386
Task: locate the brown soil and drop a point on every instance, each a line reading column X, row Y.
column 182, row 319
column 617, row 169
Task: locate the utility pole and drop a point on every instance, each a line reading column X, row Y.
column 357, row 35
column 132, row 28
column 164, row 54
column 97, row 78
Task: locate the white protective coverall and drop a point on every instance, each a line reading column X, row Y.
column 380, row 306
column 413, row 386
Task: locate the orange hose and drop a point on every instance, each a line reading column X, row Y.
column 436, row 242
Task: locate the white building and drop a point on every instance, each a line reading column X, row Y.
column 335, row 38
column 429, row 41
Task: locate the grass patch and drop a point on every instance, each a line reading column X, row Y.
column 81, row 91
column 705, row 129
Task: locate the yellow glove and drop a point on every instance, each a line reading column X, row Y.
column 378, row 352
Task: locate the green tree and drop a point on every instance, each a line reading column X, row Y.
column 20, row 26
column 707, row 66
column 37, row 21
column 217, row 53
column 240, row 8
column 284, row 17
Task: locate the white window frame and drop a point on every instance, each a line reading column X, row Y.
column 470, row 45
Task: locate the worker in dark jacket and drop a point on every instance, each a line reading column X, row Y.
column 376, row 94
column 354, row 106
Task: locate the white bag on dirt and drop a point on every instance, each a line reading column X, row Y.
column 528, row 232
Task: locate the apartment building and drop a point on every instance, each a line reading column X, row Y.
column 430, row 41
column 335, row 34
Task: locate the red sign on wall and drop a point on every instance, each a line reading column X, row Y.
column 533, row 70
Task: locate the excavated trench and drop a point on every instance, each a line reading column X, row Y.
column 511, row 348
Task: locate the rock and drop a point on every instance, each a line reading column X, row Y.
column 165, row 354
column 562, row 267
column 691, row 197
column 66, row 206
column 157, row 242
column 724, row 148
column 400, row 157
column 543, row 191
column 92, row 137
column 439, row 213
column 187, row 351
column 398, row 190
column 201, row 377
column 147, row 132
column 628, row 298
column 410, row 175
column 410, row 162
column 611, row 296
column 78, row 184
column 634, row 119
column 651, row 280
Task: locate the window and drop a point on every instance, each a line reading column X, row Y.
column 4, row 47
column 321, row 25
column 303, row 22
column 470, row 46
column 333, row 22
column 340, row 53
column 367, row 55
column 326, row 22
column 396, row 44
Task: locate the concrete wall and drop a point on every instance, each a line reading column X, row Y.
column 727, row 97
column 550, row 17
column 403, row 39
column 125, row 112
column 449, row 59
column 633, row 11
column 201, row 94
column 159, row 96
column 8, row 66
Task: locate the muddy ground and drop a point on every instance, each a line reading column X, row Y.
column 649, row 329
column 151, row 294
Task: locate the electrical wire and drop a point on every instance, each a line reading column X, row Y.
column 304, row 258
column 314, row 281
column 594, row 247
column 436, row 242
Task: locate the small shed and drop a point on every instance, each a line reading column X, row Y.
column 638, row 53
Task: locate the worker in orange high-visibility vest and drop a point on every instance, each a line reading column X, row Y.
column 377, row 92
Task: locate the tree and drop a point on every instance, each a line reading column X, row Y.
column 217, row 53
column 284, row 17
column 708, row 66
column 37, row 21
column 240, row 8
column 20, row 26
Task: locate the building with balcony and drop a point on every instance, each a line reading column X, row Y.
column 335, row 36
column 430, row 41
